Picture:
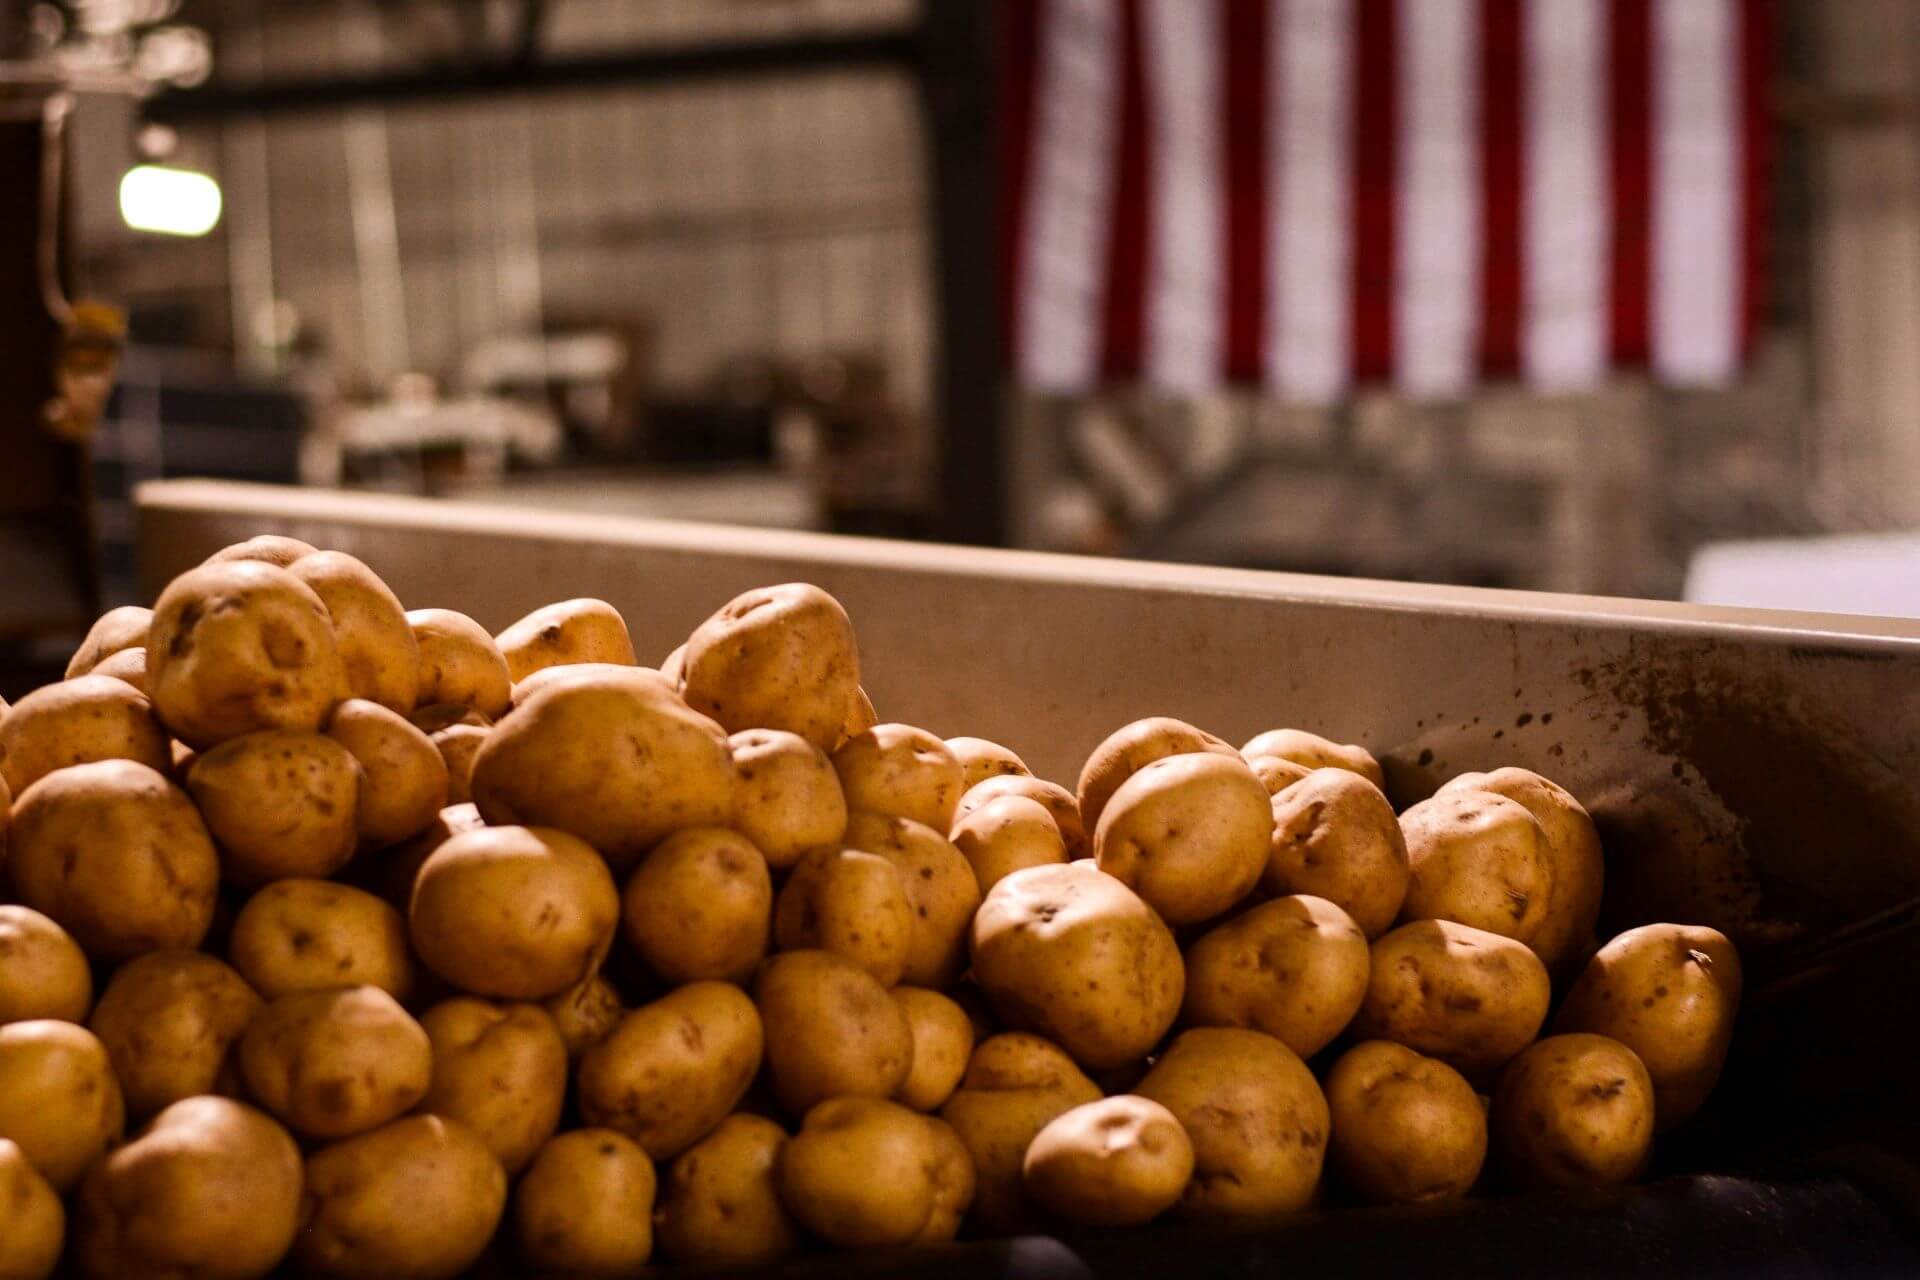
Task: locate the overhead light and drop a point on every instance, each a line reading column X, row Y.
column 173, row 202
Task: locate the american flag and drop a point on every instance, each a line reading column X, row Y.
column 1310, row 194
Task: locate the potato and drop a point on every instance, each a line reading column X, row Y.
column 1015, row 1084
column 1336, row 837
column 391, row 874
column 33, row 1223
column 1669, row 992
column 499, row 1069
column 901, row 771
column 239, row 647
column 942, row 1043
column 403, row 774
column 940, row 887
column 275, row 549
column 1255, row 1116
column 719, row 1205
column 700, row 906
column 535, row 681
column 585, row 1206
column 515, row 912
column 780, row 657
column 43, row 972
column 1406, row 1128
column 786, row 796
column 417, row 1199
column 58, row 1097
column 1131, row 748
column 853, row 904
column 1118, row 1162
column 1005, row 835
column 980, row 759
column 618, row 761
column 459, row 663
column 434, row 717
column 459, row 746
column 1477, row 859
column 1315, row 752
column 338, row 1062
column 128, row 665
column 1573, row 1111
column 370, row 629
column 210, row 1188
column 832, row 1031
column 147, row 881
column 280, row 804
column 1190, row 834
column 1467, row 997
column 561, row 634
column 1565, row 937
column 114, row 631
column 864, row 1172
column 674, row 666
column 1295, row 968
column 79, row 721
column 673, row 1069
column 170, row 1022
column 308, row 935
column 1070, row 952
column 1276, row 775
column 585, row 1014
column 860, row 716
column 1057, row 800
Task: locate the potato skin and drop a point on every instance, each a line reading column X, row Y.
column 851, row 903
column 403, row 775
column 499, row 1069
column 211, row 1188
column 1295, row 968
column 417, row 1199
column 831, row 1030
column 1118, row 1162
column 786, row 796
column 459, row 746
column 43, row 972
column 719, row 1205
column 377, row 647
column 1189, row 833
column 308, row 935
column 585, row 1014
column 942, row 1043
column 1573, row 1111
column 338, row 1062
column 980, row 759
column 112, row 632
column 1015, row 1084
column 700, row 906
column 1131, row 748
column 58, row 1097
column 1477, row 859
column 170, row 1022
column 280, row 803
column 570, row 631
column 88, row 718
column 1276, row 775
column 1056, row 799
column 1007, row 834
column 1670, row 993
column 1470, row 998
column 780, row 657
column 1255, row 1115
column 1336, row 837
column 865, row 1173
column 1071, row 953
column 33, row 1222
column 1315, row 752
column 1406, row 1128
column 128, row 666
column 275, row 549
column 673, row 1069
column 900, row 771
column 940, row 888
column 585, row 1206
column 459, row 663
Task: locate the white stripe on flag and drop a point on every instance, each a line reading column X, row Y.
column 1696, row 205
column 1437, row 212
column 1566, row 215
column 1186, row 246
column 1070, row 194
column 1308, row 327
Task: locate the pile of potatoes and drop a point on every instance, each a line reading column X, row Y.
column 367, row 941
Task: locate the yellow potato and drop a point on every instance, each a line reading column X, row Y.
column 940, row 887
column 1467, row 997
column 786, row 797
column 459, row 746
column 1015, row 1084
column 571, row 631
column 149, row 876
column 1336, row 837
column 901, row 771
column 377, row 648
column 499, row 1069
column 128, row 665
column 674, row 666
column 673, row 1069
column 719, row 1205
column 79, row 721
column 33, row 1223
column 403, row 774
column 275, row 549
column 521, row 913
column 860, row 716
column 942, row 1043
column 1669, row 992
column 1573, row 1111
column 1276, row 775
column 391, row 873
column 1315, row 752
column 459, row 663
column 1005, row 835
column 1056, row 799
column 43, row 973
column 58, row 1098
column 585, row 1014
column 780, row 657
column 1406, row 1128
column 981, row 759
column 585, row 1207
column 434, row 717
column 280, row 804
column 1256, row 1118
column 308, row 935
column 171, row 1022
column 538, row 680
column 1190, row 834
column 239, row 647
column 115, row 631
column 1477, row 859
column 417, row 1199
column 853, row 904
column 700, row 906
column 338, row 1062
column 210, row 1188
column 1071, row 953
column 1295, row 968
column 831, row 1030
column 865, row 1173
column 1117, row 1162
column 1131, row 748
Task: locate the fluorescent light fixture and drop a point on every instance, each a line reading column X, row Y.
column 173, row 202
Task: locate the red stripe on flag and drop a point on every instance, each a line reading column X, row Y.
column 1246, row 105
column 1630, row 163
column 1123, row 324
column 1376, row 105
column 1756, row 156
column 1021, row 34
column 1503, row 66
